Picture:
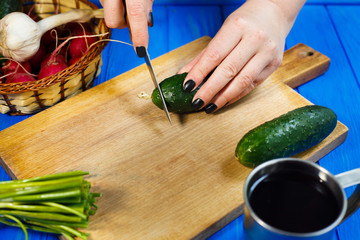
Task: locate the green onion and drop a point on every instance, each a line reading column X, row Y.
column 57, row 203
column 19, row 223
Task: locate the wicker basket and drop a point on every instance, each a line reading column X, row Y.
column 32, row 97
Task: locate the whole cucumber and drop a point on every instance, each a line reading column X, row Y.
column 286, row 135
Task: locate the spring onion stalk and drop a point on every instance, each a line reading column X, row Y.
column 58, row 203
column 4, row 220
column 20, row 35
column 21, row 225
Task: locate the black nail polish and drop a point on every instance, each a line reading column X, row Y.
column 141, row 51
column 189, row 85
column 151, row 19
column 197, row 104
column 210, row 108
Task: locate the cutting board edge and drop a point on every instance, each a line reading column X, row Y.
column 7, row 169
column 221, row 223
column 333, row 144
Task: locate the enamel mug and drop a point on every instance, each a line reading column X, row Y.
column 294, row 199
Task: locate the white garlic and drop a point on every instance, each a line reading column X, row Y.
column 19, row 36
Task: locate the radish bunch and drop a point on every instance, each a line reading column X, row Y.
column 59, row 48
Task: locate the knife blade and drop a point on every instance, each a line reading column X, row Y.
column 156, row 84
column 150, row 67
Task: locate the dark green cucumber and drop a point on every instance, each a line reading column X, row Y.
column 8, row 6
column 177, row 100
column 287, row 135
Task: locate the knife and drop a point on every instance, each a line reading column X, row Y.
column 150, row 68
column 156, row 83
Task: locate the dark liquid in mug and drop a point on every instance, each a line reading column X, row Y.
column 294, row 202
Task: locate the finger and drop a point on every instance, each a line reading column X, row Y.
column 243, row 81
column 138, row 21
column 114, row 13
column 190, row 65
column 261, row 78
column 227, row 70
column 219, row 47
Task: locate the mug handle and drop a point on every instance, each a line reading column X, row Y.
column 347, row 179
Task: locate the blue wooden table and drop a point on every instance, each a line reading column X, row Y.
column 332, row 27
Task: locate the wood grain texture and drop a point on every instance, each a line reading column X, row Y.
column 298, row 67
column 158, row 181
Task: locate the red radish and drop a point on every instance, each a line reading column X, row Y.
column 73, row 60
column 53, row 46
column 51, row 35
column 77, row 28
column 36, row 60
column 51, row 68
column 57, row 58
column 12, row 66
column 19, row 77
column 78, row 46
column 48, row 37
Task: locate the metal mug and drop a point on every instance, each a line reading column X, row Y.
column 255, row 227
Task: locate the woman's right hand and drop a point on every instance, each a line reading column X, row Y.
column 139, row 17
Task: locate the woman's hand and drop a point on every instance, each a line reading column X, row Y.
column 139, row 14
column 246, row 50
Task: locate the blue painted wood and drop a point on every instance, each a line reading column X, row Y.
column 229, row 2
column 7, row 120
column 324, row 28
column 333, row 2
column 341, row 16
column 189, row 23
column 337, row 89
column 228, row 9
column 233, row 230
column 349, row 37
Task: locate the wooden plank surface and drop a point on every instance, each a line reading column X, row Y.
column 348, row 37
column 327, row 30
column 158, row 181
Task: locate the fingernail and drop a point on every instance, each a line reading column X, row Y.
column 210, row 108
column 141, row 51
column 189, row 85
column 197, row 104
column 151, row 19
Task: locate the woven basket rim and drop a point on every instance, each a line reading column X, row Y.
column 58, row 77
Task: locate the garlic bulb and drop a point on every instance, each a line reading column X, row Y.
column 20, row 35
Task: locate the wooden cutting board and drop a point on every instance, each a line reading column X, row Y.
column 158, row 181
